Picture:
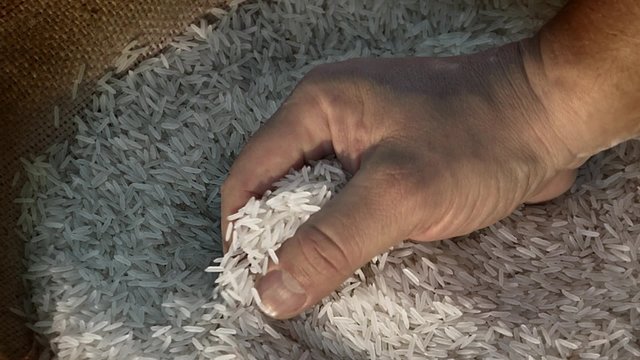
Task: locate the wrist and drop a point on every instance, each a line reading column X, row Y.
column 587, row 79
column 586, row 118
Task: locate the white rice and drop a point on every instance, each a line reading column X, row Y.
column 56, row 116
column 78, row 81
column 123, row 222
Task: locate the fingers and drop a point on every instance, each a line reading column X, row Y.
column 298, row 131
column 359, row 223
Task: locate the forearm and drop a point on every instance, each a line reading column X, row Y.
column 590, row 56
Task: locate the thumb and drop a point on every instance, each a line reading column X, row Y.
column 358, row 224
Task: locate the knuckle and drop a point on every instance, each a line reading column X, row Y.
column 324, row 253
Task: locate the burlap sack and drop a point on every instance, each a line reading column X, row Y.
column 42, row 45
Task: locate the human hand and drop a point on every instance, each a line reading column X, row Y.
column 439, row 147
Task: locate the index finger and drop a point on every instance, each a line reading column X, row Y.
column 296, row 133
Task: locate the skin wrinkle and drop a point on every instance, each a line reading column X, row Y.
column 514, row 197
column 403, row 193
column 468, row 199
column 310, row 132
column 532, row 178
column 357, row 131
column 394, row 180
column 334, row 104
column 424, row 227
column 355, row 251
column 339, row 252
column 483, row 109
column 445, row 99
column 312, row 245
column 304, row 275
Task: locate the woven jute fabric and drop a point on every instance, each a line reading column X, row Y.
column 43, row 43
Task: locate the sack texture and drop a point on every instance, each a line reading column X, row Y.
column 43, row 44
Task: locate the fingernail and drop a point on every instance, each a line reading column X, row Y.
column 281, row 294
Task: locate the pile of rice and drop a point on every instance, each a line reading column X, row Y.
column 121, row 223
